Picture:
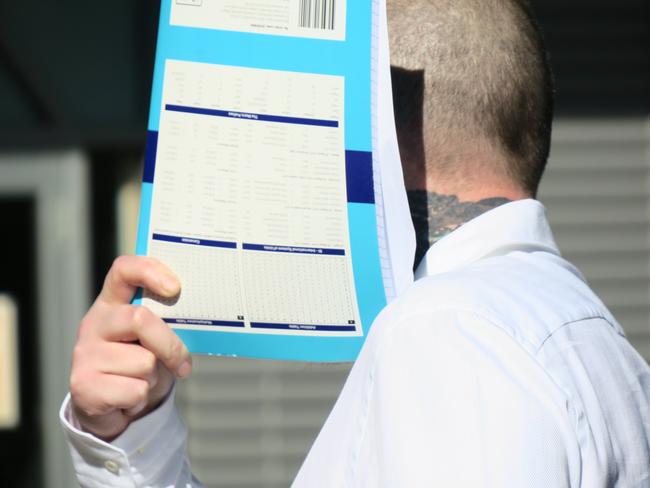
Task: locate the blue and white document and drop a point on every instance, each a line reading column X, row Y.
column 272, row 183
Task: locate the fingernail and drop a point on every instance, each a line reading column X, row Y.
column 169, row 284
column 185, row 370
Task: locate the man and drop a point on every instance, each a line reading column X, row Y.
column 498, row 368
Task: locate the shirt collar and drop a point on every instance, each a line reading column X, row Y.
column 515, row 226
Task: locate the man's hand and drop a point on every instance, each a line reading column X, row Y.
column 126, row 358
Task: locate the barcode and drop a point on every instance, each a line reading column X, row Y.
column 317, row 14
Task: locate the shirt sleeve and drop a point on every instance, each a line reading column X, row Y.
column 456, row 401
column 150, row 453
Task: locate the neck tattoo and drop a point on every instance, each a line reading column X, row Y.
column 435, row 216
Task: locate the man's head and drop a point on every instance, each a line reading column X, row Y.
column 473, row 94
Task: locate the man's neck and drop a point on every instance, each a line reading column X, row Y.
column 435, row 215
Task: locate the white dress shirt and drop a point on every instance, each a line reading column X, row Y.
column 498, row 368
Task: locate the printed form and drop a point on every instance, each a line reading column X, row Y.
column 250, row 205
column 321, row 19
column 262, row 184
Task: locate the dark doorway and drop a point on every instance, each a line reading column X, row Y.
column 21, row 447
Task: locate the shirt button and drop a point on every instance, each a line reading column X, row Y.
column 112, row 467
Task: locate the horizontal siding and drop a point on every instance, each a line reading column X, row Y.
column 596, row 191
column 252, row 422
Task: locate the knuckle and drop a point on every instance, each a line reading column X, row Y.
column 78, row 355
column 78, row 384
column 175, row 352
column 141, row 391
column 148, row 362
column 138, row 317
column 117, row 270
column 86, row 325
column 119, row 263
column 75, row 385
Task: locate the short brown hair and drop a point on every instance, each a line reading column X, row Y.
column 486, row 77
